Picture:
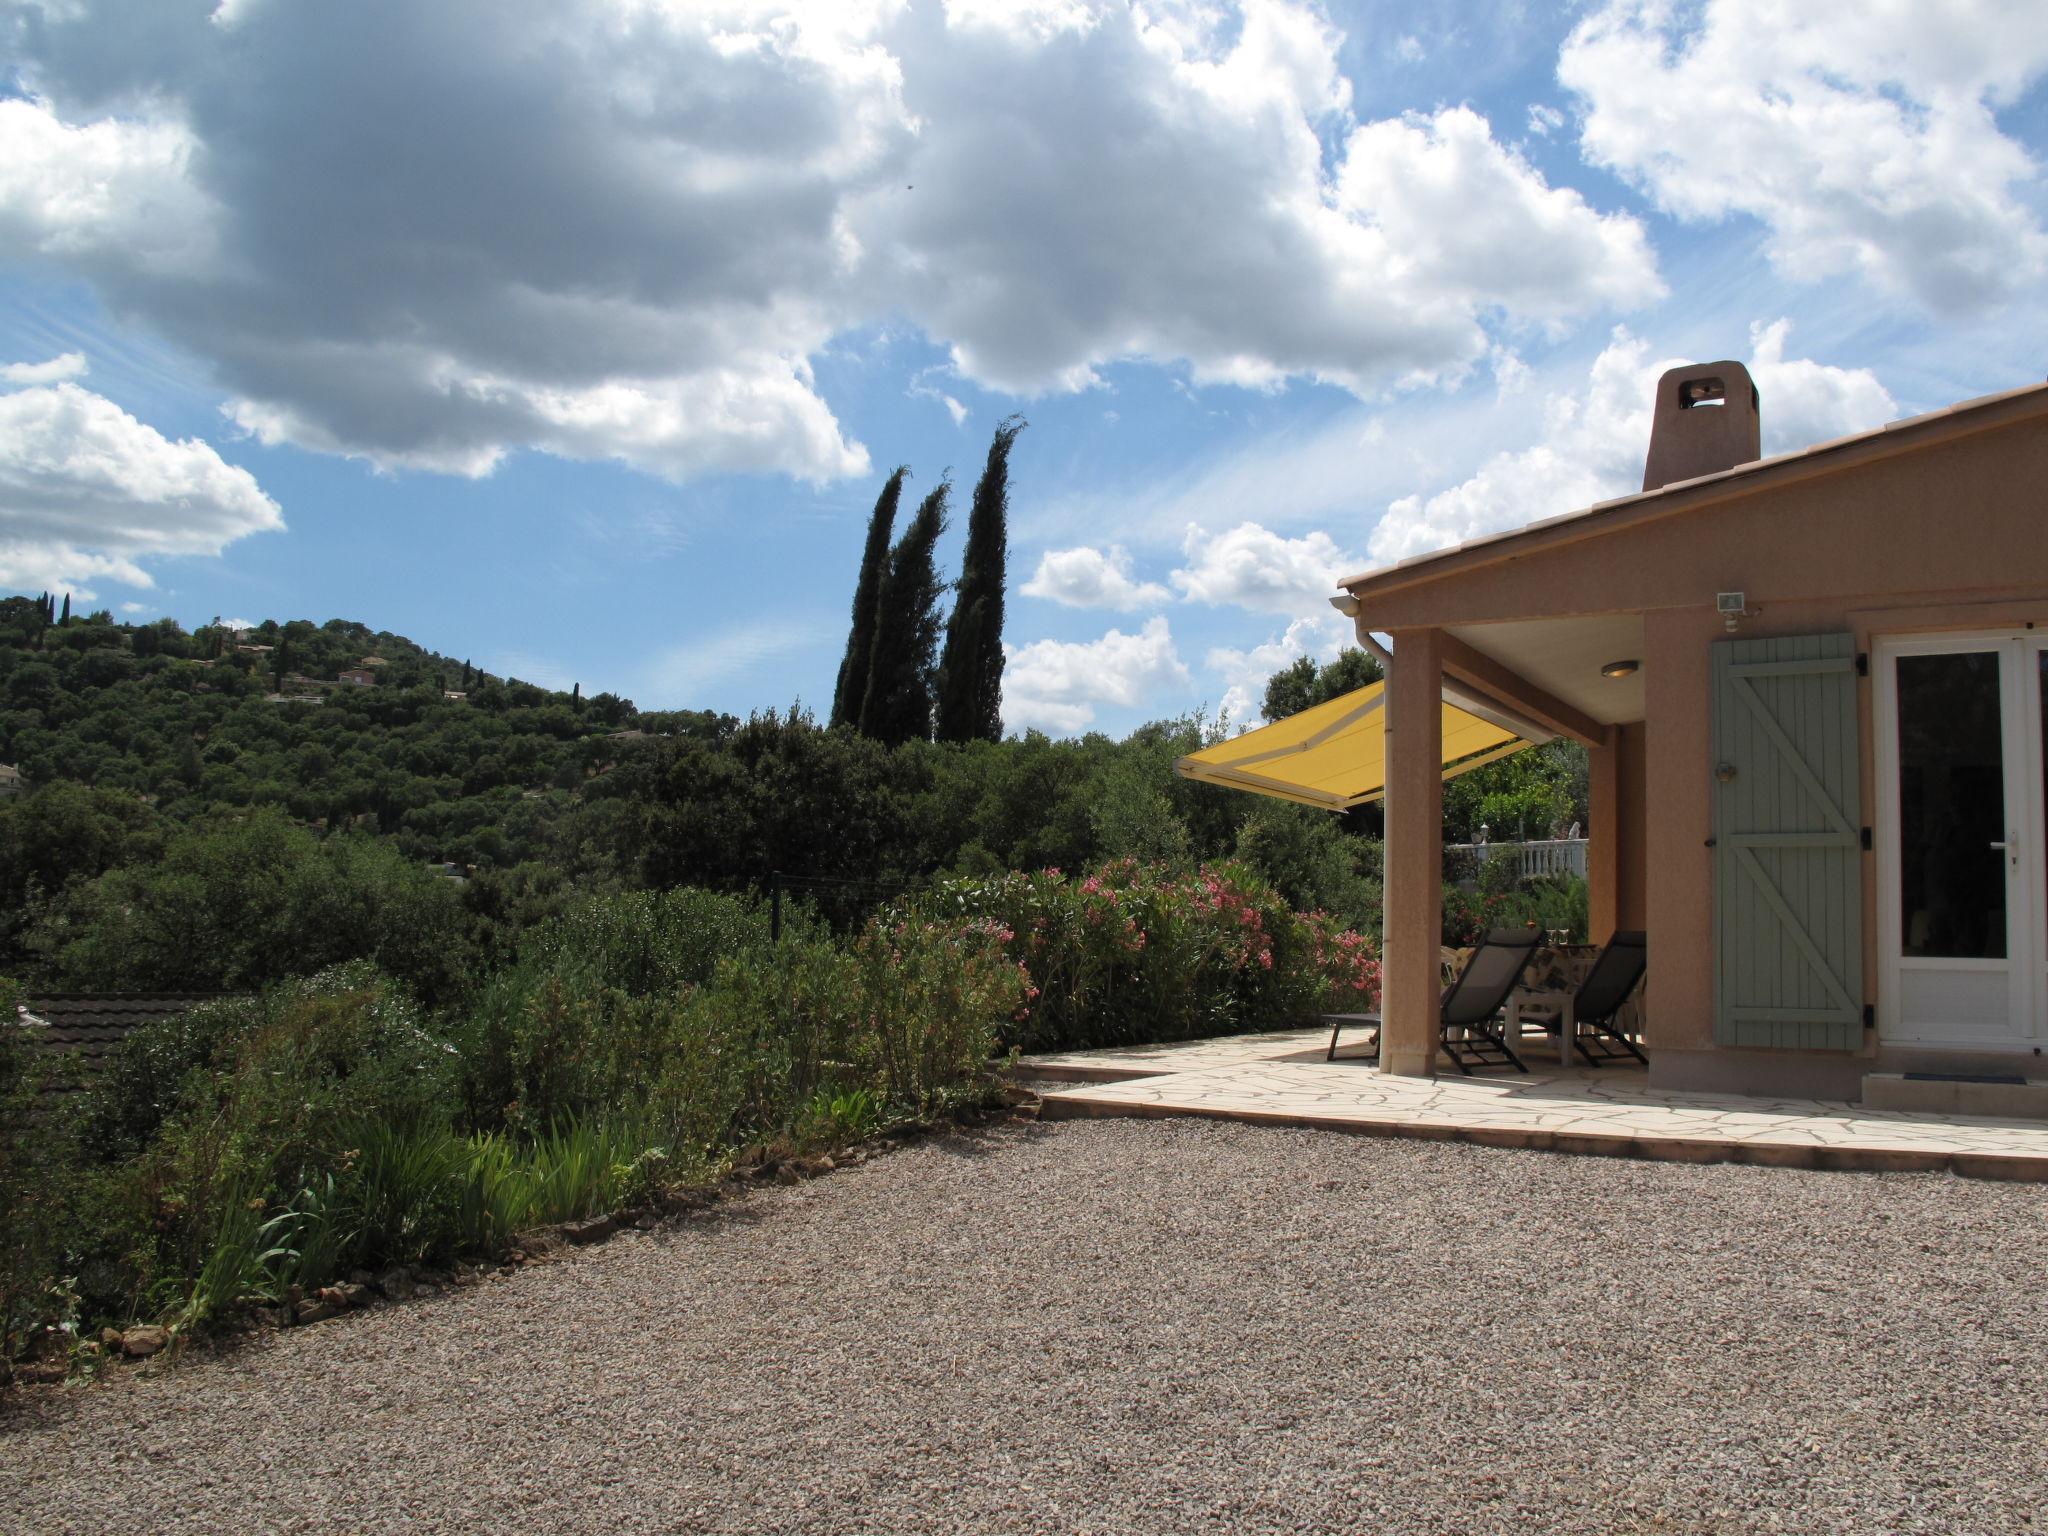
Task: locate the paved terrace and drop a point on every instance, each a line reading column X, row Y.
column 1282, row 1079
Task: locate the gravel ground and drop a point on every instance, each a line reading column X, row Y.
column 1148, row 1326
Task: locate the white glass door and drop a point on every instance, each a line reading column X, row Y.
column 1960, row 858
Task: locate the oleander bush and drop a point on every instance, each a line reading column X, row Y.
column 1140, row 952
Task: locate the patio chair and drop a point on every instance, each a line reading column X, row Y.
column 1610, row 983
column 1469, row 1008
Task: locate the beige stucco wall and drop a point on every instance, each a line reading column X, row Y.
column 1953, row 536
column 1632, row 894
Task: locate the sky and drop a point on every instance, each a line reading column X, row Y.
column 576, row 337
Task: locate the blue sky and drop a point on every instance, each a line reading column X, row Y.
column 577, row 338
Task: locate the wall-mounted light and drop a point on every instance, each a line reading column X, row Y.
column 1620, row 669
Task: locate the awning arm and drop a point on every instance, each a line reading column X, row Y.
column 1472, row 703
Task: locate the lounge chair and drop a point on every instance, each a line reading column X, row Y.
column 1611, row 982
column 1469, row 1009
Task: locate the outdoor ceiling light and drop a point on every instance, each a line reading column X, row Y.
column 1620, row 669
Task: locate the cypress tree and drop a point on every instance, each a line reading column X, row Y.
column 67, row 611
column 971, row 672
column 855, row 666
column 898, row 704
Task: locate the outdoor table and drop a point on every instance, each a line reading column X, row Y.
column 1551, row 985
column 1545, row 1001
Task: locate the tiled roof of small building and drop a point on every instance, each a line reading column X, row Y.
column 90, row 1026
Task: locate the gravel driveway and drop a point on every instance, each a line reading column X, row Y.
column 1164, row 1326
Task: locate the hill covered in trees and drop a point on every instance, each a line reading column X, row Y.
column 453, row 763
column 269, row 810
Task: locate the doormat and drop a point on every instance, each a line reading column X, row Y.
column 1965, row 1077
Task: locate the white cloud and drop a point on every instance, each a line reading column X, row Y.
column 1592, row 446
column 1167, row 196
column 111, row 190
column 88, row 492
column 605, row 230
column 1245, row 673
column 922, row 389
column 1092, row 578
column 70, row 365
column 1054, row 685
column 1544, row 120
column 621, row 229
column 683, row 676
column 1253, row 567
column 1804, row 402
column 1473, row 215
column 1862, row 136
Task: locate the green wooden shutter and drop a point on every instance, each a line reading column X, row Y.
column 1788, row 862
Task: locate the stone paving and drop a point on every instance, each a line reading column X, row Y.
column 1282, row 1079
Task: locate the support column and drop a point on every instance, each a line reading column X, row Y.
column 1603, row 838
column 1412, row 934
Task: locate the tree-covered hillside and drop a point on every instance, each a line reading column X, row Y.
column 453, row 763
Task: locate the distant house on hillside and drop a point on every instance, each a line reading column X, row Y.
column 455, row 694
column 10, row 780
column 255, row 650
column 356, row 677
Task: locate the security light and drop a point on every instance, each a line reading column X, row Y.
column 1620, row 669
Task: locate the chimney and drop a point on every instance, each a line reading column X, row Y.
column 1704, row 421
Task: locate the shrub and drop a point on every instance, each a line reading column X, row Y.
column 1137, row 953
column 580, row 1023
column 239, row 902
column 36, row 1187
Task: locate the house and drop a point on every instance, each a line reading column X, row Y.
column 356, row 677
column 374, row 661
column 10, row 780
column 454, row 695
column 1812, row 692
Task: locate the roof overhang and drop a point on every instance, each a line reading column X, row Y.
column 1834, row 457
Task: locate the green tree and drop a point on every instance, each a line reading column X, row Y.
column 854, row 669
column 1538, row 793
column 898, row 705
column 970, row 681
column 233, row 904
column 1305, row 684
column 66, row 619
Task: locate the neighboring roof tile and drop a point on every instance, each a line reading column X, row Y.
column 90, row 1026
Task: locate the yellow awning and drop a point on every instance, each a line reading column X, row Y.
column 1334, row 756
